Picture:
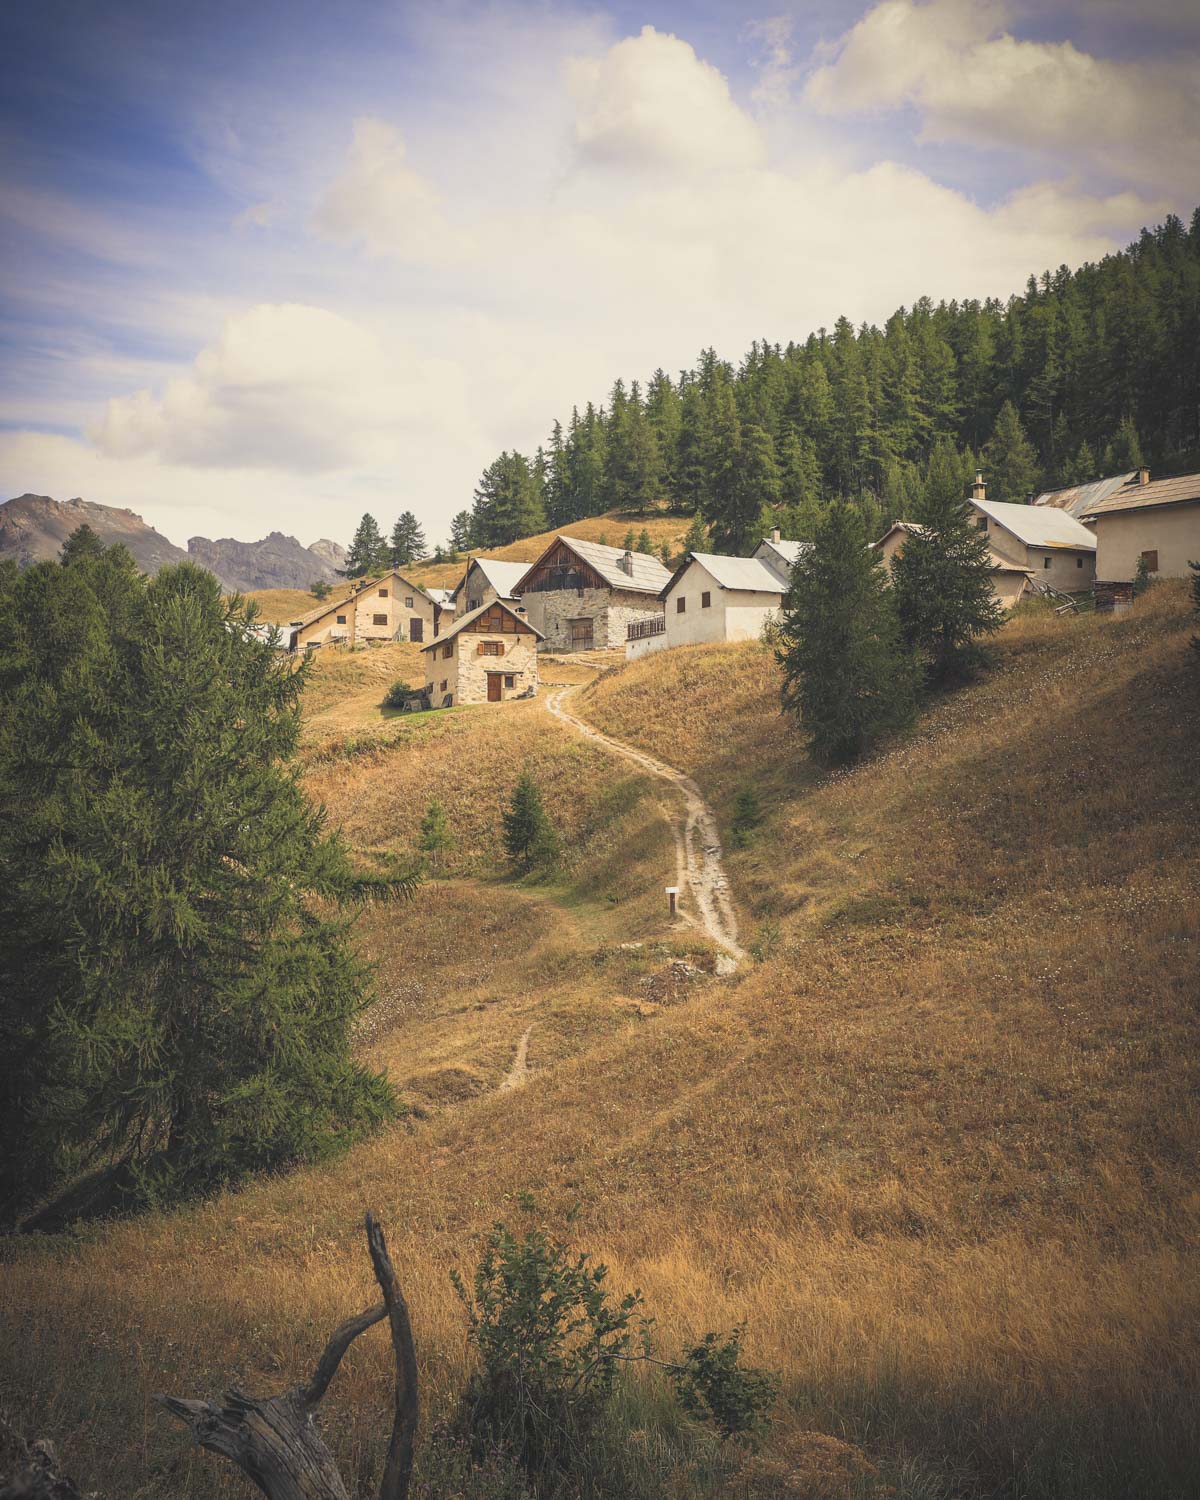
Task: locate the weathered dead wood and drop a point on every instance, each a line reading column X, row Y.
column 30, row 1471
column 275, row 1441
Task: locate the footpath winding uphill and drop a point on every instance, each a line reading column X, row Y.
column 697, row 843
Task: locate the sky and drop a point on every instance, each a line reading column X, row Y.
column 267, row 266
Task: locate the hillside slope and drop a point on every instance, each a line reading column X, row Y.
column 34, row 527
column 937, row 1146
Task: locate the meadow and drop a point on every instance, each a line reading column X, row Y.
column 936, row 1145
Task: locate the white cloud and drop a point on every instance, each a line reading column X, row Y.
column 971, row 80
column 650, row 101
column 287, row 387
column 381, row 200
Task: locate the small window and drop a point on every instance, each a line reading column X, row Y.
column 510, row 679
column 706, row 600
column 1079, row 562
column 379, row 619
column 341, row 619
column 444, row 683
column 1045, row 562
column 491, row 648
column 1151, row 560
column 680, row 605
column 448, row 650
column 408, row 604
column 383, row 593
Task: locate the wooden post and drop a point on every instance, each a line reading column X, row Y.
column 673, row 898
column 275, row 1441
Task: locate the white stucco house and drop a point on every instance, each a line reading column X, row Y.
column 1155, row 521
column 1045, row 540
column 1011, row 581
column 711, row 598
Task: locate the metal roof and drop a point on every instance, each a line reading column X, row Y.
column 914, row 528
column 503, row 576
column 780, row 556
column 648, row 575
column 473, row 614
column 1075, row 499
column 745, row 573
column 1134, row 496
column 1039, row 525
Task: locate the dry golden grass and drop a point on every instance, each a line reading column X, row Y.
column 938, row 1148
column 282, row 606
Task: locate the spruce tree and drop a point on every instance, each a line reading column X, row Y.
column 644, row 544
column 529, row 836
column 177, row 985
column 460, row 531
column 435, row 837
column 1012, row 459
column 408, row 541
column 847, row 677
column 368, row 552
column 945, row 595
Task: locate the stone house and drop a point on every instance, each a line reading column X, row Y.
column 712, row 598
column 1010, row 581
column 487, row 656
column 583, row 596
column 1158, row 520
column 486, row 579
column 390, row 608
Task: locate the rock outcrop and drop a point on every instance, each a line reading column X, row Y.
column 34, row 527
column 277, row 562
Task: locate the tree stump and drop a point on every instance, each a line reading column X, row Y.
column 275, row 1441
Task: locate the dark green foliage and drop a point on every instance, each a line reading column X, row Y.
column 529, row 836
column 1079, row 364
column 177, row 985
column 846, row 675
column 551, row 1342
column 1142, row 577
column 460, row 532
column 508, row 503
column 83, row 542
column 398, row 694
column 435, row 837
column 747, row 815
column 368, row 553
column 630, row 541
column 408, row 541
column 942, row 578
column 644, row 544
column 320, row 588
column 714, row 1385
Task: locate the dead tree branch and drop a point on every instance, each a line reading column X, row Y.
column 275, row 1441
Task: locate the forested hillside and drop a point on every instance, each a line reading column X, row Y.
column 1089, row 371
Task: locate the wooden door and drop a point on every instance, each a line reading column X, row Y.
column 495, row 687
column 416, row 629
column 581, row 635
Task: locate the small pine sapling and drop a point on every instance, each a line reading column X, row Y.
column 435, row 838
column 747, row 815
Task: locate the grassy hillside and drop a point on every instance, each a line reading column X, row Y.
column 937, row 1145
column 282, row 606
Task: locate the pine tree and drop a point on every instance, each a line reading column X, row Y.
column 644, row 544
column 695, row 539
column 408, row 541
column 177, row 991
column 82, row 543
column 508, row 503
column 630, row 541
column 368, row 553
column 435, row 837
column 1125, row 451
column 943, row 582
column 847, row 677
column 1011, row 458
column 460, row 531
column 529, row 836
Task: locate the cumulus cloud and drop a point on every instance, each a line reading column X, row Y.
column 286, row 387
column 971, row 80
column 650, row 101
column 383, row 201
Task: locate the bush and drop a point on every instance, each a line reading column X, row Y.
column 398, row 694
column 747, row 815
column 320, row 589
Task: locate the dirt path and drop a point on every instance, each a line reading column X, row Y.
column 697, row 843
column 518, row 1074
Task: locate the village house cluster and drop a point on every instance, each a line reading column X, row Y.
column 481, row 640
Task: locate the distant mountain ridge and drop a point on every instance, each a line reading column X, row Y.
column 34, row 527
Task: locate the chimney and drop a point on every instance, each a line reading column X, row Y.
column 775, row 537
column 1143, row 475
column 627, row 562
column 979, row 489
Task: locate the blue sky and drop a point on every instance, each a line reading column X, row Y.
column 268, row 265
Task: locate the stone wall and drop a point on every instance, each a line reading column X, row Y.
column 610, row 611
column 466, row 673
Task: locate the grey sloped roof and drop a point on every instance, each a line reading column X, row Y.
column 1134, row 496
column 1039, row 525
column 1077, row 499
column 648, row 576
column 745, row 573
column 473, row 614
column 780, row 556
column 503, row 576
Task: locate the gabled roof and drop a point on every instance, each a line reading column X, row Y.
column 1134, row 496
column 444, row 597
column 369, row 583
column 1076, row 499
column 914, row 528
column 999, row 564
column 746, row 574
column 473, row 614
column 648, row 576
column 788, row 551
column 1039, row 525
column 503, row 576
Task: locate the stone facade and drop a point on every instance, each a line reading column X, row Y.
column 390, row 609
column 462, row 677
column 609, row 610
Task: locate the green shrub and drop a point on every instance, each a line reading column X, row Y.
column 529, row 836
column 398, row 694
column 747, row 815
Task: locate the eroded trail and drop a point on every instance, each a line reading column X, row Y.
column 697, row 843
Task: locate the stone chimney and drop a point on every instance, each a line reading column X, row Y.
column 627, row 562
column 1143, row 475
column 979, row 489
column 775, row 537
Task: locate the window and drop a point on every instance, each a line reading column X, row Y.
column 706, row 600
column 383, row 593
column 448, row 650
column 1079, row 562
column 491, row 648
column 341, row 619
column 510, row 679
column 1151, row 560
column 408, row 604
column 443, row 686
column 1045, row 562
column 680, row 605
column 379, row 619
